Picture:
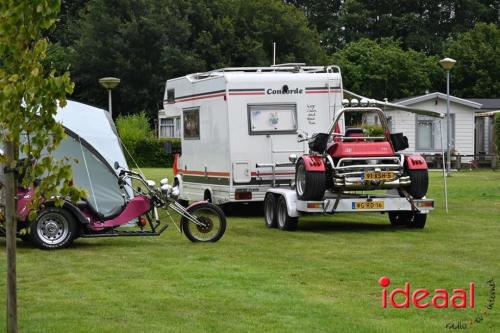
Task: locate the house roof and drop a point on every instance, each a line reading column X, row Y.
column 487, row 103
column 434, row 95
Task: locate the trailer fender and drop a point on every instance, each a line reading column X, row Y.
column 313, row 163
column 290, row 198
column 415, row 162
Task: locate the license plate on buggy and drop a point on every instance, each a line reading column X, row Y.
column 368, row 205
column 374, row 175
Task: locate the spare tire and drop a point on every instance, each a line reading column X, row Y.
column 419, row 183
column 309, row 185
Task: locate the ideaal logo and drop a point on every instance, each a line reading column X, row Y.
column 459, row 298
column 440, row 298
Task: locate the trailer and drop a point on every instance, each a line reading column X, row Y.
column 347, row 169
column 238, row 126
column 282, row 208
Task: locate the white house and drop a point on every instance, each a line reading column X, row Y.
column 484, row 125
column 169, row 123
column 423, row 132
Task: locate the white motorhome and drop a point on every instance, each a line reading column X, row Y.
column 237, row 125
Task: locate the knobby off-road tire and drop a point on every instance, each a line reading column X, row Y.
column 419, row 183
column 285, row 221
column 309, row 185
column 409, row 219
column 213, row 219
column 270, row 203
column 54, row 228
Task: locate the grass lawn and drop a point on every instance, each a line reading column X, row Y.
column 321, row 278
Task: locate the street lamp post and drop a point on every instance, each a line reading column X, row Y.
column 447, row 64
column 109, row 83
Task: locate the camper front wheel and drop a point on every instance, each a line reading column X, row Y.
column 53, row 228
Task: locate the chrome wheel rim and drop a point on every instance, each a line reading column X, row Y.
column 301, row 179
column 52, row 228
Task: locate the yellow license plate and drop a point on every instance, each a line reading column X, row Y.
column 385, row 175
column 368, row 205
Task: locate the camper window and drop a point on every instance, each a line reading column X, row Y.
column 171, row 96
column 191, row 119
column 272, row 118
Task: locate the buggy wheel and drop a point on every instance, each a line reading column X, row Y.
column 399, row 218
column 419, row 183
column 212, row 223
column 309, row 185
column 417, row 221
column 285, row 221
column 270, row 210
column 54, row 228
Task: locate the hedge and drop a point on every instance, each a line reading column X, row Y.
column 149, row 152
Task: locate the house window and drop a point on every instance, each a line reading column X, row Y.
column 171, row 96
column 428, row 133
column 191, row 119
column 272, row 118
column 167, row 128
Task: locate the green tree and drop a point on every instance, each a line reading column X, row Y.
column 382, row 69
column 29, row 95
column 421, row 25
column 477, row 71
column 145, row 42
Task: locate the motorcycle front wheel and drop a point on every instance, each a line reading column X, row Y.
column 212, row 223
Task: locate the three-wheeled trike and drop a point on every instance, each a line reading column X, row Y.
column 57, row 226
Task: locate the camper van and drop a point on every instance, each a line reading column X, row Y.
column 238, row 127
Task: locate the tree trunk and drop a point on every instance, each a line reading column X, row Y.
column 10, row 235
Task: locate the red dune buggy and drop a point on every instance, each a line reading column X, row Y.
column 347, row 167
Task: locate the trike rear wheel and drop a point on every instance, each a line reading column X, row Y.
column 212, row 223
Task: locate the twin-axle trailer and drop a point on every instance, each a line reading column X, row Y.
column 282, row 207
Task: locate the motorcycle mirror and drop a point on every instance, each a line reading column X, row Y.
column 117, row 165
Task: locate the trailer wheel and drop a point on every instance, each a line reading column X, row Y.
column 270, row 210
column 53, row 228
column 309, row 185
column 399, row 218
column 419, row 183
column 285, row 221
column 417, row 221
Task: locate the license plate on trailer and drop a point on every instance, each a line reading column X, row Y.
column 368, row 205
column 384, row 175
